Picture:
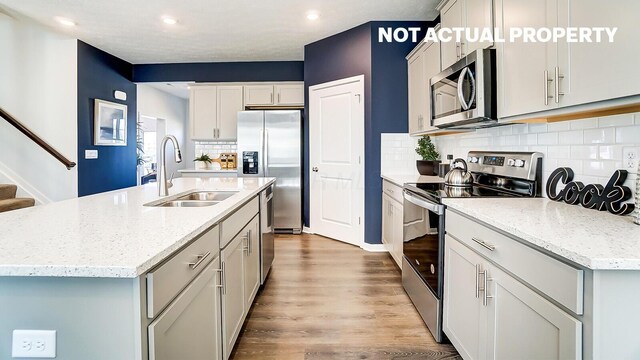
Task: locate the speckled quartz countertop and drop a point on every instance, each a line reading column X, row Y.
column 400, row 179
column 111, row 234
column 594, row 239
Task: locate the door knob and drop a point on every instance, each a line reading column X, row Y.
column 315, row 169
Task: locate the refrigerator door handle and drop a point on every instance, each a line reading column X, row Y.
column 265, row 162
column 261, row 150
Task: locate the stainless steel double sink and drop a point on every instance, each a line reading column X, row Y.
column 196, row 199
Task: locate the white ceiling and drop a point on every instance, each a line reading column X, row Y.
column 179, row 89
column 213, row 30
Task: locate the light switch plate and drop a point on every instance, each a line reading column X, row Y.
column 91, row 154
column 34, row 344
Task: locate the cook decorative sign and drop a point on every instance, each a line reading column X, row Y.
column 593, row 196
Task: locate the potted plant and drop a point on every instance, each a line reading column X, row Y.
column 429, row 163
column 203, row 162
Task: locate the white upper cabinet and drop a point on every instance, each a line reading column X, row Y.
column 524, row 81
column 422, row 64
column 258, row 95
column 289, row 94
column 203, row 112
column 535, row 77
column 417, row 91
column 286, row 94
column 213, row 109
column 451, row 16
column 229, row 103
column 604, row 70
column 460, row 14
column 213, row 112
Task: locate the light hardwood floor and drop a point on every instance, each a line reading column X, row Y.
column 329, row 300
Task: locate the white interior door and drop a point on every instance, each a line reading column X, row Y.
column 336, row 154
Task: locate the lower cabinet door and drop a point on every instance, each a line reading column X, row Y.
column 524, row 325
column 463, row 315
column 387, row 226
column 233, row 309
column 397, row 232
column 251, row 263
column 189, row 329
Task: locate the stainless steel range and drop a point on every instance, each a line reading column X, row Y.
column 494, row 174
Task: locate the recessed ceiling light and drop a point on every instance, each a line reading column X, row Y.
column 65, row 21
column 169, row 20
column 312, row 15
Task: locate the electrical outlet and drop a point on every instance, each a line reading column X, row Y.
column 34, row 344
column 630, row 159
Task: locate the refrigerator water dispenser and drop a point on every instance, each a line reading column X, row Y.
column 250, row 162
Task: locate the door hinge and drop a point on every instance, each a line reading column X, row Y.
column 359, row 98
column 359, row 159
column 359, row 220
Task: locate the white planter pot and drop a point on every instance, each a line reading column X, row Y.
column 201, row 165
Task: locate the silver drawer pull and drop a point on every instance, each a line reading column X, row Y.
column 199, row 261
column 484, row 244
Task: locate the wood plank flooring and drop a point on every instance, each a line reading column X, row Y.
column 329, row 300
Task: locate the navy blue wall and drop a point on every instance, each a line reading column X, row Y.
column 99, row 74
column 340, row 56
column 221, row 72
column 355, row 52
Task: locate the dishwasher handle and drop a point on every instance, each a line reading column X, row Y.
column 423, row 203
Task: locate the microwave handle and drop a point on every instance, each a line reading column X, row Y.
column 463, row 102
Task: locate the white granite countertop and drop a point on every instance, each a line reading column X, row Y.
column 111, row 234
column 400, row 179
column 208, row 171
column 595, row 239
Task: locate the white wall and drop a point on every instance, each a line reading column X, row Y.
column 171, row 111
column 593, row 148
column 38, row 86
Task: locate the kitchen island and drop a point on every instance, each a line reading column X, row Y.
column 117, row 279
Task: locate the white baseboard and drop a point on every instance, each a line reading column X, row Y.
column 307, row 230
column 374, row 247
column 25, row 189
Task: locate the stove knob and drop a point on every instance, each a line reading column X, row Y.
column 511, row 162
column 473, row 159
column 519, row 163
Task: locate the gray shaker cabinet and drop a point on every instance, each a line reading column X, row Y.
column 172, row 335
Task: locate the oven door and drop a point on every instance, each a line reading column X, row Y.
column 423, row 239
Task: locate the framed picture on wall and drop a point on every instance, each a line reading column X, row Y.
column 110, row 124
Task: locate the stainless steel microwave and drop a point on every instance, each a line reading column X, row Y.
column 464, row 95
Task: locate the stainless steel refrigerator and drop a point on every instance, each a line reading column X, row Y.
column 270, row 145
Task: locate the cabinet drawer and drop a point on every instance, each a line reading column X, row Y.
column 234, row 223
column 558, row 280
column 166, row 281
column 393, row 190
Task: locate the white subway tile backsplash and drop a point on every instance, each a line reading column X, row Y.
column 558, row 126
column 600, row 136
column 583, row 124
column 558, row 152
column 628, row 135
column 528, row 139
column 593, row 148
column 610, row 152
column 598, row 168
column 548, row 138
column 214, row 148
column 616, row 120
column 571, row 137
column 584, row 152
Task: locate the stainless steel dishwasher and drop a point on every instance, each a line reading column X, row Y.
column 266, row 232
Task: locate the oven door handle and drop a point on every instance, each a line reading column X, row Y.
column 431, row 206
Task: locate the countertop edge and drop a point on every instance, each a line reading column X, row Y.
column 119, row 272
column 595, row 264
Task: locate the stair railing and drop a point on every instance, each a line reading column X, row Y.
column 35, row 138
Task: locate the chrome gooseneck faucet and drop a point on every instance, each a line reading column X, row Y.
column 163, row 184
